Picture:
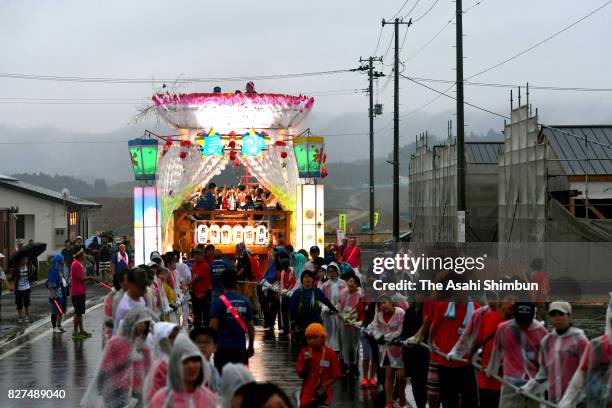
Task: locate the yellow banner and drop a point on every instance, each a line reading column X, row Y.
column 375, row 219
column 342, row 222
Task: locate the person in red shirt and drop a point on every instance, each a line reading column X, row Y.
column 201, row 285
column 455, row 378
column 318, row 366
column 77, row 292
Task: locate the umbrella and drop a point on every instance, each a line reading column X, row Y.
column 90, row 241
column 31, row 251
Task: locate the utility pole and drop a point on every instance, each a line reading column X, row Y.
column 461, row 207
column 371, row 75
column 396, row 230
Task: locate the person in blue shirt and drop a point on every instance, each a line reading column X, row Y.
column 208, row 201
column 120, row 260
column 217, row 268
column 305, row 307
column 232, row 346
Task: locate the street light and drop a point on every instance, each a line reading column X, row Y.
column 310, row 212
column 309, row 155
column 143, row 155
column 147, row 231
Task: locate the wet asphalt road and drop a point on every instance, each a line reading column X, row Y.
column 56, row 362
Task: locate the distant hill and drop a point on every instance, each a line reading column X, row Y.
column 77, row 187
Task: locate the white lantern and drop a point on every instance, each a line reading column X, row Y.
column 214, row 234
column 202, row 234
column 226, row 235
column 238, row 233
column 249, row 235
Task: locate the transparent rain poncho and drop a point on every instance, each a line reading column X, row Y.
column 175, row 394
column 124, row 363
column 233, row 377
column 592, row 382
column 157, row 376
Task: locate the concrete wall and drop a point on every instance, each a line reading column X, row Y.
column 47, row 215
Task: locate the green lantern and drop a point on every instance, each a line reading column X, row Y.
column 309, row 155
column 143, row 154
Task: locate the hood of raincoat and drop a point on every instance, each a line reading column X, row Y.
column 183, row 349
column 299, row 262
column 55, row 273
column 233, row 377
column 137, row 315
column 161, row 342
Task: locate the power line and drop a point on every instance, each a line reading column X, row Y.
column 400, row 10
column 426, row 12
column 378, row 42
column 113, row 80
column 511, row 86
column 540, row 42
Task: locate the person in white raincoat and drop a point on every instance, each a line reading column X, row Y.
column 233, row 376
column 188, row 371
column 560, row 354
column 331, row 288
column 164, row 334
column 126, row 359
column 387, row 326
column 593, row 379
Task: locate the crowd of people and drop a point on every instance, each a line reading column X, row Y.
column 232, row 198
column 180, row 330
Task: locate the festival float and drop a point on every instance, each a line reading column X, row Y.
column 265, row 133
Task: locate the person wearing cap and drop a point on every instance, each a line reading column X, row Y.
column 78, row 293
column 516, row 349
column 560, row 353
column 593, row 378
column 318, row 366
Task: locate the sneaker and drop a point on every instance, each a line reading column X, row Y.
column 20, row 320
column 27, row 319
column 373, row 382
column 77, row 336
column 365, row 383
column 85, row 334
column 61, row 329
column 56, row 330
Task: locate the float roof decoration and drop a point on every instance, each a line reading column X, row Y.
column 233, row 112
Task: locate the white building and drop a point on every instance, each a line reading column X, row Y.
column 45, row 215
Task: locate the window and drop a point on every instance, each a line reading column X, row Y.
column 20, row 227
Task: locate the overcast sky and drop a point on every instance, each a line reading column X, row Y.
column 169, row 39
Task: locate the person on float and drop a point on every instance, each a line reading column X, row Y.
column 164, row 334
column 318, row 367
column 58, row 292
column 352, row 315
column 385, row 328
column 592, row 381
column 125, row 362
column 331, row 289
column 188, row 371
column 560, row 353
column 516, row 349
column 305, row 307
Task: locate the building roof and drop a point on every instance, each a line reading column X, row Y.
column 483, row 152
column 578, row 157
column 44, row 193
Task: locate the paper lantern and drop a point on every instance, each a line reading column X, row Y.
column 283, row 155
column 238, row 232
column 261, row 235
column 226, row 235
column 214, row 234
column 202, row 234
column 309, row 155
column 143, row 154
column 249, row 235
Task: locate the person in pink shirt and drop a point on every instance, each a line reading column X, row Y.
column 351, row 310
column 77, row 292
column 386, row 326
column 517, row 344
column 560, row 353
